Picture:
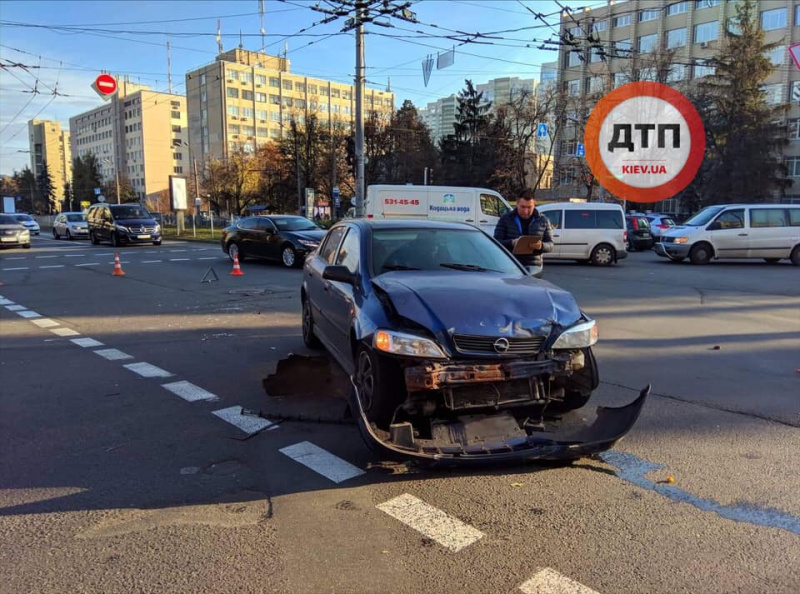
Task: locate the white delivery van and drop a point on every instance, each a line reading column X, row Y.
column 768, row 231
column 477, row 206
column 586, row 231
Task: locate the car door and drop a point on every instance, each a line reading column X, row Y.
column 578, row 235
column 315, row 284
column 266, row 240
column 555, row 218
column 245, row 235
column 769, row 233
column 106, row 223
column 58, row 225
column 729, row 234
column 340, row 308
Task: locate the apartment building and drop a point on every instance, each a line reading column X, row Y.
column 626, row 37
column 245, row 99
column 50, row 144
column 139, row 135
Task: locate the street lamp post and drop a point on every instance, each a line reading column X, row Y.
column 112, row 162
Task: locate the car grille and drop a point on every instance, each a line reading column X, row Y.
column 466, row 343
column 143, row 229
column 9, row 232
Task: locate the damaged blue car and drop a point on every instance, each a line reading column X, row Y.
column 456, row 353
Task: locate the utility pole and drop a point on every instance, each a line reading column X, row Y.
column 297, row 169
column 334, row 150
column 360, row 13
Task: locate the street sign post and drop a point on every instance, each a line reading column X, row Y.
column 794, row 51
column 105, row 85
column 580, row 151
column 541, row 131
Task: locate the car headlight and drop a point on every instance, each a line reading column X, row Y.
column 158, row 228
column 409, row 345
column 308, row 243
column 578, row 337
column 122, row 228
column 680, row 240
column 24, row 234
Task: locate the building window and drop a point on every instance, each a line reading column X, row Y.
column 246, row 77
column 274, row 133
column 300, row 103
column 773, row 19
column 599, row 26
column 248, row 131
column 705, row 32
column 312, row 89
column 323, row 107
column 677, row 72
column 676, row 38
column 312, row 105
column 275, row 82
column 233, row 128
column 774, row 94
column 620, row 79
column 623, row 47
column 233, row 75
column 595, row 84
column 347, row 110
column 177, row 156
column 287, row 102
column 261, row 79
column 287, row 85
column 574, row 58
column 794, row 129
column 261, row 132
column 648, row 74
column 233, row 93
column 275, row 116
column 700, row 4
column 651, row 14
column 175, row 104
column 597, row 55
column 335, row 93
column 176, row 129
column 300, row 87
column 347, row 94
column 261, row 114
column 647, row 43
column 247, row 95
column 176, row 169
column 275, row 99
column 247, row 112
column 797, row 16
column 176, row 115
column 677, row 8
column 203, row 79
column 574, row 87
column 334, row 108
column 323, row 91
column 701, row 70
column 233, row 111
column 793, row 165
column 622, row 21
column 262, row 97
column 776, row 55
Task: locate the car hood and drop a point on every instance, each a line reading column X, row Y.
column 479, row 303
column 29, row 223
column 12, row 227
column 307, row 235
column 136, row 222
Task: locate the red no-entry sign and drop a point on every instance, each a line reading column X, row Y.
column 105, row 85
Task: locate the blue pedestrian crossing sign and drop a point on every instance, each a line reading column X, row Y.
column 541, row 130
column 580, row 151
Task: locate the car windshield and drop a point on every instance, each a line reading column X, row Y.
column 704, row 216
column 8, row 220
column 295, row 224
column 76, row 218
column 130, row 212
column 23, row 217
column 438, row 249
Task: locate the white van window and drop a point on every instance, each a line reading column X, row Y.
column 554, row 216
column 730, row 219
column 768, row 217
column 579, row 219
column 492, row 205
column 794, row 217
column 609, row 219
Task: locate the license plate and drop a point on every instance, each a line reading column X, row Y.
column 646, row 235
column 143, row 237
column 8, row 239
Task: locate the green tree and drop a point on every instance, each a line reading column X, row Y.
column 85, row 178
column 743, row 137
column 25, row 181
column 47, row 197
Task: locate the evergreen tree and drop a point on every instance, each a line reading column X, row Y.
column 44, row 183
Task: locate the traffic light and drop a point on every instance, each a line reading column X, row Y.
column 351, row 153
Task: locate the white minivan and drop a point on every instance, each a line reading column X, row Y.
column 768, row 231
column 586, row 231
column 479, row 207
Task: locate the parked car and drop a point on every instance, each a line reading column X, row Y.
column 13, row 233
column 28, row 222
column 122, row 224
column 587, row 231
column 454, row 350
column 768, row 231
column 639, row 236
column 283, row 238
column 72, row 225
column 660, row 223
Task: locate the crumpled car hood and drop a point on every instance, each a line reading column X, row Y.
column 479, row 303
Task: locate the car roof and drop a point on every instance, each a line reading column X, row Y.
column 408, row 224
column 283, row 216
column 580, row 205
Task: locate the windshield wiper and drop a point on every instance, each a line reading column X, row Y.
column 400, row 267
column 471, row 267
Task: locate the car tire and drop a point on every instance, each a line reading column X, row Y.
column 772, row 260
column 378, row 384
column 309, row 338
column 289, row 256
column 700, row 254
column 69, row 235
column 55, row 234
column 795, row 257
column 603, row 255
column 235, row 248
column 115, row 242
column 156, row 243
column 27, row 246
column 676, row 260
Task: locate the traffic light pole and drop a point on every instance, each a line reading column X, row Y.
column 359, row 145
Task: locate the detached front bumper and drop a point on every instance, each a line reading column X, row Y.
column 672, row 250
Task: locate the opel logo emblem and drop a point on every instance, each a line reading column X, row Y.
column 501, row 345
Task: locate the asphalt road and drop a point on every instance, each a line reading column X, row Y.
column 115, row 481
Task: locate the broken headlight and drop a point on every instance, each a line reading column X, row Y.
column 578, row 337
column 408, row 345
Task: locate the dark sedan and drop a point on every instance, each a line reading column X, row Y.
column 456, row 352
column 285, row 238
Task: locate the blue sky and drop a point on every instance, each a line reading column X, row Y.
column 127, row 37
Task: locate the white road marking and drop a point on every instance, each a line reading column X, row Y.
column 6, row 302
column 147, row 370
column 39, row 257
column 64, row 332
column 177, row 250
column 19, row 268
column 210, row 258
column 15, row 307
column 121, row 262
column 432, row 522
column 55, row 266
column 86, row 342
column 322, row 461
column 112, row 354
column 89, row 264
column 247, row 423
column 549, row 581
column 19, row 258
column 151, row 261
column 179, row 259
column 76, row 255
column 28, row 314
column 45, row 323
column 109, row 254
column 189, row 392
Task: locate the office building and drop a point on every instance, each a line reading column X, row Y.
column 50, row 144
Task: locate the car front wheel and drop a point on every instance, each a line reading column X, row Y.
column 289, row 256
column 700, row 254
column 55, row 233
column 309, row 337
column 235, row 251
column 378, row 383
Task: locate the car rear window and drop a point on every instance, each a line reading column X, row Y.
column 640, row 222
column 75, row 218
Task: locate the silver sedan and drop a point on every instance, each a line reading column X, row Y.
column 71, row 225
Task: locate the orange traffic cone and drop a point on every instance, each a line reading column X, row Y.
column 237, row 271
column 117, row 267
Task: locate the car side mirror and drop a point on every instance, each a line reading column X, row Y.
column 715, row 226
column 339, row 274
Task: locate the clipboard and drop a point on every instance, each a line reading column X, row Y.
column 525, row 245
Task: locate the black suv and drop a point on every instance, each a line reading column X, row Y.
column 121, row 224
column 640, row 236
